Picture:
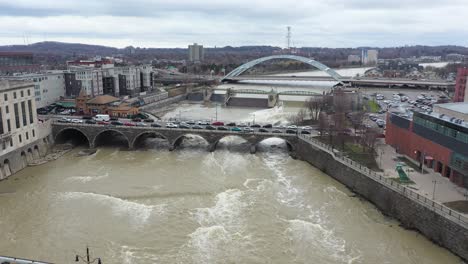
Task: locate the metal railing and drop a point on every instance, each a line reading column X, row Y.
column 435, row 206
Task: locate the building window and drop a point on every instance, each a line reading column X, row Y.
column 27, row 136
column 17, row 118
column 34, row 133
column 7, row 109
column 22, row 93
column 31, row 119
column 9, row 125
column 3, row 145
column 29, row 92
column 23, row 110
column 14, row 95
column 5, row 96
column 20, row 138
column 11, row 143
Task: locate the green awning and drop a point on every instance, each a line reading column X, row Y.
column 66, row 104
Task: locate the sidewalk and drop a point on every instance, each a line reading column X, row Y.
column 445, row 190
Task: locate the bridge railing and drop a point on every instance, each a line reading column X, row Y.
column 435, row 206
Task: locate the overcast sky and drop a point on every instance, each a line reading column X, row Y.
column 176, row 23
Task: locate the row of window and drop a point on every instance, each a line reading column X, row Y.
column 460, row 162
column 458, row 135
column 5, row 95
column 20, row 139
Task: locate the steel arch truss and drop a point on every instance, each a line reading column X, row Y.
column 244, row 67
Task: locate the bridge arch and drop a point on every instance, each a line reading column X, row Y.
column 140, row 138
column 178, row 140
column 98, row 139
column 74, row 134
column 288, row 143
column 244, row 67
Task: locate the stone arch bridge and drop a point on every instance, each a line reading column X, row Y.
column 174, row 136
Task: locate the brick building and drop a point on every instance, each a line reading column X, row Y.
column 104, row 104
column 460, row 87
column 439, row 140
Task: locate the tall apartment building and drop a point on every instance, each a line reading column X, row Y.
column 460, row 87
column 49, row 87
column 354, row 59
column 18, row 119
column 370, row 57
column 196, row 53
column 90, row 79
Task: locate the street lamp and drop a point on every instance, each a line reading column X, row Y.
column 433, row 192
column 87, row 260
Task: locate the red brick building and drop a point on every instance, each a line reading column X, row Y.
column 438, row 140
column 460, row 87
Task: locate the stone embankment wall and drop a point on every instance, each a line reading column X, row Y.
column 163, row 103
column 440, row 224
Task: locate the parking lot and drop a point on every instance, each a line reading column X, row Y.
column 400, row 100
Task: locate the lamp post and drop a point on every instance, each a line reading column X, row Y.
column 433, row 191
column 87, row 259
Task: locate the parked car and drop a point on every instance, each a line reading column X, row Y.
column 77, row 121
column 114, row 118
column 149, row 120
column 105, row 123
column 248, row 129
column 255, row 126
column 203, row 123
column 291, row 131
column 64, row 120
column 223, row 128
column 305, row 132
column 155, row 125
column 91, row 122
column 268, row 126
column 184, row 126
column 129, row 124
column 191, row 122
column 276, row 131
column 242, row 125
column 306, row 128
column 236, row 129
column 210, row 127
column 136, row 119
column 87, row 117
column 232, row 124
column 197, row 127
column 172, row 125
column 117, row 123
column 217, row 123
column 141, row 124
column 293, row 127
column 262, row 130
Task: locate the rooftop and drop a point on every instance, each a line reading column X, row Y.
column 103, row 99
column 457, row 107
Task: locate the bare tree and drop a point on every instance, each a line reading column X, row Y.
column 315, row 105
column 298, row 118
column 369, row 138
column 357, row 120
column 323, row 123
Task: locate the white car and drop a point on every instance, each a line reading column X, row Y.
column 248, row 129
column 76, row 121
column 306, row 128
column 171, row 125
column 292, row 127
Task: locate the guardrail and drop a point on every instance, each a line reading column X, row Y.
column 230, row 132
column 13, row 260
column 437, row 207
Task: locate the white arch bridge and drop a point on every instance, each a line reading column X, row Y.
column 244, row 67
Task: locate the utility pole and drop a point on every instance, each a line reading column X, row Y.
column 288, row 38
column 216, row 112
column 87, row 260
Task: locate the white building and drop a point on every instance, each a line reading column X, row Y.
column 354, row 58
column 18, row 118
column 196, row 53
column 90, row 78
column 48, row 86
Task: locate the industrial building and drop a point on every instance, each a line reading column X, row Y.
column 460, row 87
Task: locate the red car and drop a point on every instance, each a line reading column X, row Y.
column 129, row 124
column 103, row 123
column 217, row 123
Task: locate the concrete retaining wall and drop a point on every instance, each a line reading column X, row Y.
column 412, row 214
column 163, row 103
column 248, row 102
